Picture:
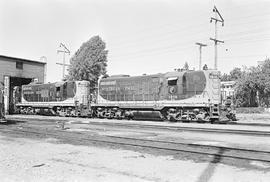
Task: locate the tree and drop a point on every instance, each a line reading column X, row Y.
column 186, row 66
column 235, row 73
column 246, row 89
column 89, row 62
column 252, row 84
column 205, row 67
column 263, row 88
column 225, row 77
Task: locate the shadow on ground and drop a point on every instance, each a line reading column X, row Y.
column 11, row 122
column 209, row 171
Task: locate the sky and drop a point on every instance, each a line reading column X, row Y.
column 142, row 36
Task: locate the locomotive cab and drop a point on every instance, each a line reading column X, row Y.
column 172, row 87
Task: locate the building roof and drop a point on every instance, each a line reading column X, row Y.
column 9, row 58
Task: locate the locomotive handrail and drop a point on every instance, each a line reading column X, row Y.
column 152, row 97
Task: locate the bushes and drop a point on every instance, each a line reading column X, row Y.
column 250, row 110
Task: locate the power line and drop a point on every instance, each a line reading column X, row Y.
column 161, row 35
column 157, row 27
column 153, row 53
column 173, row 48
column 170, row 33
column 169, row 48
column 243, row 56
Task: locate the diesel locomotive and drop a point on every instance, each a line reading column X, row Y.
column 174, row 96
column 68, row 98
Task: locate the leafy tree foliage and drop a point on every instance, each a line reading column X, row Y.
column 89, row 62
column 235, row 74
column 186, row 66
column 205, row 67
column 225, row 77
column 246, row 89
column 253, row 85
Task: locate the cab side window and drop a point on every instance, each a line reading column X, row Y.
column 58, row 93
column 172, row 82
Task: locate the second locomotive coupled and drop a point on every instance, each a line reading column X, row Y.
column 68, row 98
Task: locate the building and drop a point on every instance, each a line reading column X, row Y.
column 227, row 89
column 15, row 72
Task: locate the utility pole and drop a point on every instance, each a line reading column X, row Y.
column 44, row 59
column 200, row 49
column 218, row 18
column 65, row 51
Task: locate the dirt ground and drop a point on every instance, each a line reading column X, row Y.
column 48, row 159
column 254, row 118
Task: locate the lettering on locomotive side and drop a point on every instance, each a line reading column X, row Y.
column 126, row 88
column 110, row 88
column 129, row 88
column 28, row 92
column 26, row 88
column 108, row 83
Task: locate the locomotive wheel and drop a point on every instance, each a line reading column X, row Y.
column 163, row 115
column 213, row 120
column 172, row 119
column 118, row 114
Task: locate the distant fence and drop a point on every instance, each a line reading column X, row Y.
column 252, row 110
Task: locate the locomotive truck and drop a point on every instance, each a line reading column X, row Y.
column 174, row 96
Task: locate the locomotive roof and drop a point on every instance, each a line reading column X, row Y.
column 168, row 74
column 128, row 77
column 53, row 83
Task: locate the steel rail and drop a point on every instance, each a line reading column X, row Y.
column 200, row 129
column 151, row 126
column 125, row 141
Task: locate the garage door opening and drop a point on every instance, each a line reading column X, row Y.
column 15, row 91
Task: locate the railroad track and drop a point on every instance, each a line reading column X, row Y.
column 218, row 123
column 182, row 128
column 160, row 127
column 218, row 152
